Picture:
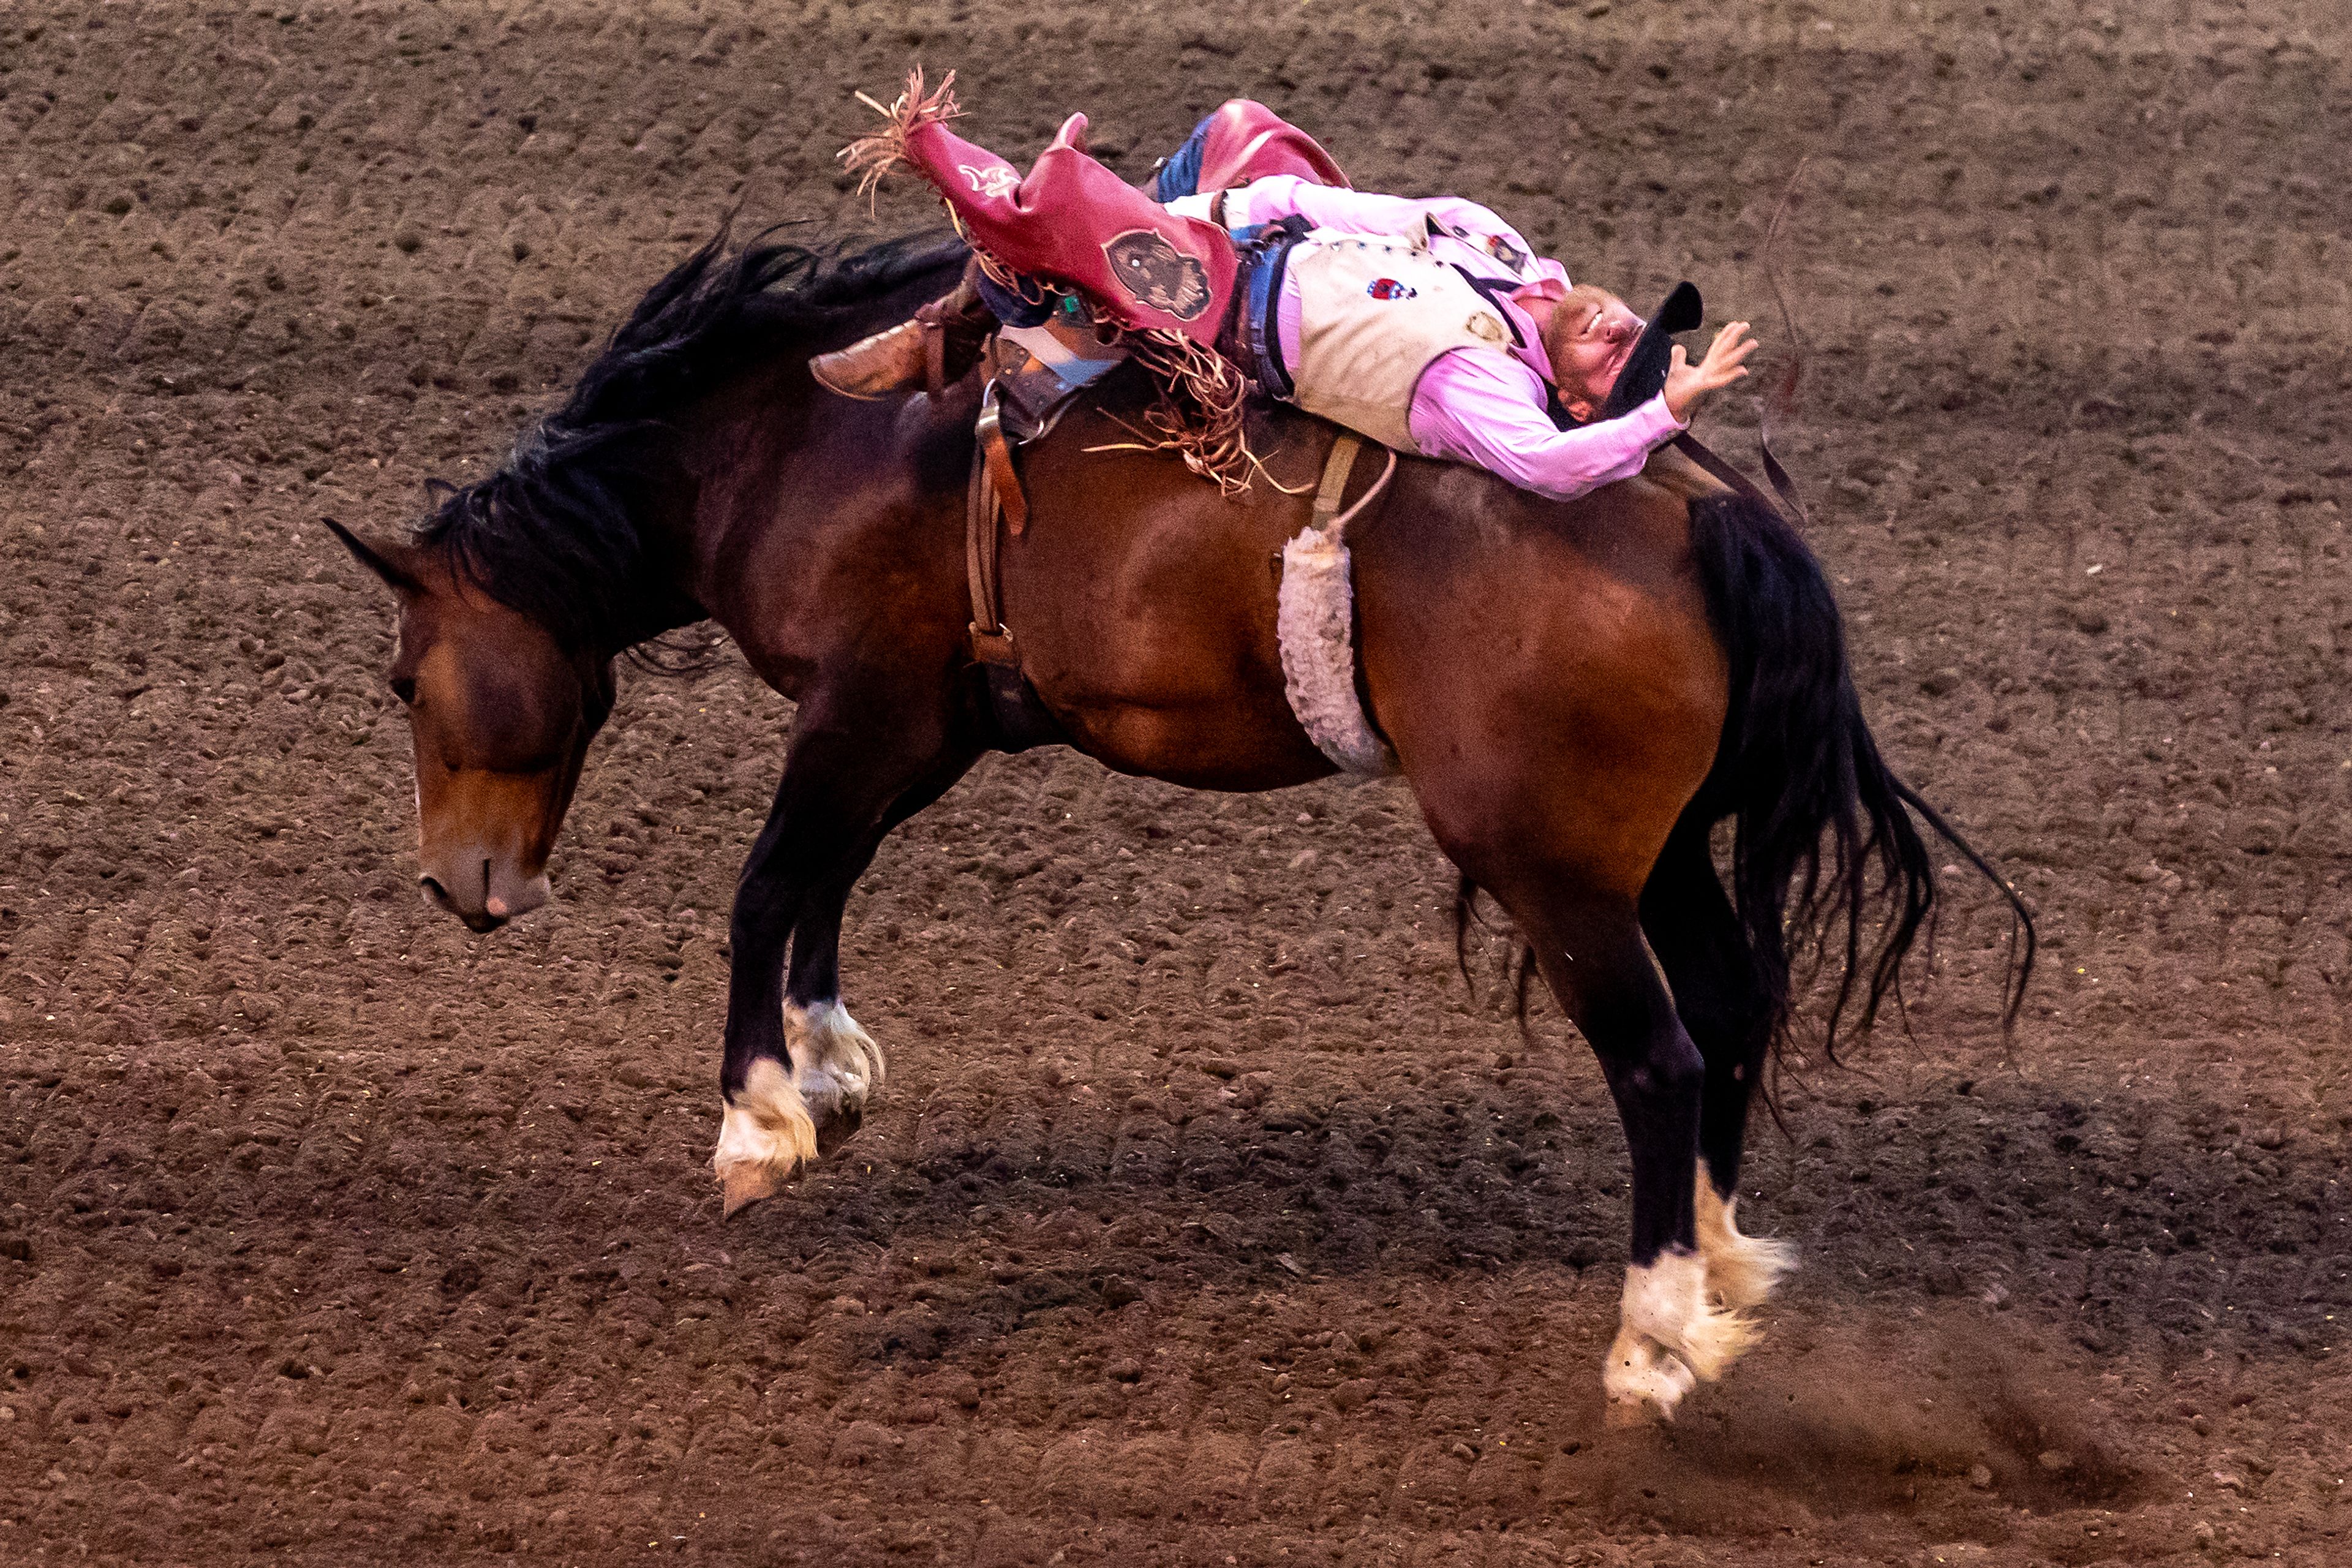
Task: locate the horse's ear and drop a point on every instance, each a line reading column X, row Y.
column 376, row 559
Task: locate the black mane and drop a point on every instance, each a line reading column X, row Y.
column 553, row 533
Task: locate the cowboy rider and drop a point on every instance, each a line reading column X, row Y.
column 1428, row 325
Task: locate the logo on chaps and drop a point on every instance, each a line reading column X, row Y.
column 995, row 183
column 1155, row 272
column 1390, row 288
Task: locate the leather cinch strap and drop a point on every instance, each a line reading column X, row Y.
column 992, row 502
column 932, row 319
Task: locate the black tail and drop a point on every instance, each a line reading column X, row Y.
column 1825, row 854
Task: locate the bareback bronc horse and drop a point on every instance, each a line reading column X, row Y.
column 1576, row 692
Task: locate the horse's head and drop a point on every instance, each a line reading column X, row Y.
column 501, row 714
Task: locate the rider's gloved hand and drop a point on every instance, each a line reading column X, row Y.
column 1686, row 383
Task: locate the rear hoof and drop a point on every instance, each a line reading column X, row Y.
column 1741, row 1271
column 1667, row 1303
column 1645, row 1383
column 764, row 1136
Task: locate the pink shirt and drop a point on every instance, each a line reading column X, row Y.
column 1484, row 409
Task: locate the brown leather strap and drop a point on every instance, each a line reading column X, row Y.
column 991, row 640
column 935, row 351
column 1781, row 483
column 996, row 453
column 1338, row 464
column 1690, row 447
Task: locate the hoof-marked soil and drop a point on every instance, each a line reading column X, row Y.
column 1206, row 1216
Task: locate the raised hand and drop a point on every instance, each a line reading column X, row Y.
column 1686, row 383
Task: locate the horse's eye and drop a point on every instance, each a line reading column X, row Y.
column 404, row 689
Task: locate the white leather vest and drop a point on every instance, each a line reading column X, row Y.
column 1374, row 313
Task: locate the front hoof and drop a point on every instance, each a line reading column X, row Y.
column 835, row 1067
column 841, row 1126
column 740, row 1187
column 1645, row 1384
column 764, row 1136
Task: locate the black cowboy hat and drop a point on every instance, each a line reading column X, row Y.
column 1645, row 368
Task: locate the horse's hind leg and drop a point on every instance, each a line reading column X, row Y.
column 1589, row 950
column 1697, row 936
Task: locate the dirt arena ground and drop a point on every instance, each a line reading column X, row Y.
column 1207, row 1218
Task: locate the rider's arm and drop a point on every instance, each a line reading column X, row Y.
column 1355, row 212
column 1484, row 409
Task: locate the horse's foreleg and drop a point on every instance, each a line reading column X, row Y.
column 832, row 807
column 1696, row 934
column 835, row 1063
column 1589, row 950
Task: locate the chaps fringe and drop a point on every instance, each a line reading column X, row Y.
column 1199, row 411
column 1199, row 414
column 870, row 158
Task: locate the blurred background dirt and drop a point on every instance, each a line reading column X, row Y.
column 1207, row 1216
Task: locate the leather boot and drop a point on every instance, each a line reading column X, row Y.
column 931, row 351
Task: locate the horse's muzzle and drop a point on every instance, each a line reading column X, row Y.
column 489, row 898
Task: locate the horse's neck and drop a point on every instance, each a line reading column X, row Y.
column 790, row 492
column 666, row 549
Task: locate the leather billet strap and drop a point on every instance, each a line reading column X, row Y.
column 1021, row 721
column 932, row 319
column 984, row 505
column 1781, row 483
column 1705, row 458
column 997, row 452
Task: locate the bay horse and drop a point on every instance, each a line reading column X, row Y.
column 1576, row 693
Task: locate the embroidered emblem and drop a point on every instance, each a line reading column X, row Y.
column 1390, row 288
column 1494, row 244
column 996, row 181
column 1155, row 272
column 1483, row 327
column 1509, row 254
